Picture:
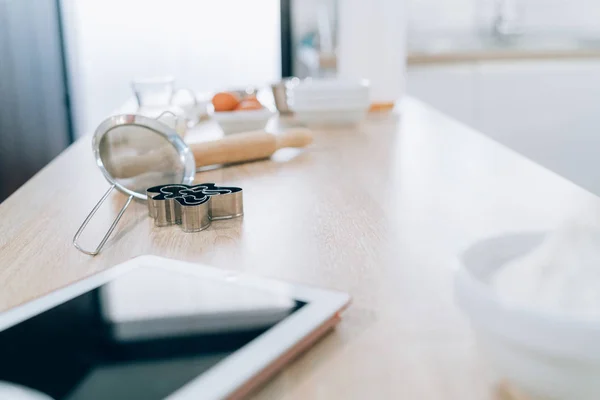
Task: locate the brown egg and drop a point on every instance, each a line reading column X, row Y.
column 249, row 104
column 225, row 101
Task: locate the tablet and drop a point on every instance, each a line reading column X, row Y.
column 155, row 328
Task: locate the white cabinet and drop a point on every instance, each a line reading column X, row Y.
column 450, row 89
column 547, row 110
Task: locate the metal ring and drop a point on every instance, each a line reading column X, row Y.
column 185, row 155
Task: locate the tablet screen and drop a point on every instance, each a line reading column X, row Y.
column 141, row 336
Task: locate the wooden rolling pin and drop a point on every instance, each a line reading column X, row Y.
column 248, row 146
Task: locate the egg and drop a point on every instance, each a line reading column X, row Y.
column 225, row 101
column 249, row 104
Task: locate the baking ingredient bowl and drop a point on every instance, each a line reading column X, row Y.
column 329, row 101
column 543, row 354
column 330, row 116
column 241, row 121
column 330, row 87
column 320, row 93
column 346, row 102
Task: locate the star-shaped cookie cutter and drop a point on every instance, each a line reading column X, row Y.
column 193, row 207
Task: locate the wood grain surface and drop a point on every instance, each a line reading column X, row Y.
column 380, row 211
column 457, row 56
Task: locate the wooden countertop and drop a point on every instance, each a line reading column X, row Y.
column 455, row 55
column 380, row 212
column 465, row 47
column 415, row 58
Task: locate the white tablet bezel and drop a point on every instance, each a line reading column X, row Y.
column 245, row 368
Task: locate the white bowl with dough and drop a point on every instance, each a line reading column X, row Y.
column 544, row 354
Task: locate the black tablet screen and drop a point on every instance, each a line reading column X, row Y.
column 79, row 350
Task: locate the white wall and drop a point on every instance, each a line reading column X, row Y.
column 206, row 45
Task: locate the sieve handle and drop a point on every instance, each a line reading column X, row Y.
column 248, row 146
column 108, row 232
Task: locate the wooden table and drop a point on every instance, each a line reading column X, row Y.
column 380, row 212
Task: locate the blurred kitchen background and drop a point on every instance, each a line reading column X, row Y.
column 524, row 72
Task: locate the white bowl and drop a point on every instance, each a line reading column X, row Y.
column 243, row 120
column 542, row 354
column 329, row 101
column 340, row 101
column 317, row 105
column 329, row 87
column 321, row 94
column 328, row 96
column 330, row 117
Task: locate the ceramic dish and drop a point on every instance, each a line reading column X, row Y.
column 544, row 355
column 326, row 87
column 330, row 117
column 328, row 104
column 242, row 121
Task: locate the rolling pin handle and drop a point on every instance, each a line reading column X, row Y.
column 297, row 137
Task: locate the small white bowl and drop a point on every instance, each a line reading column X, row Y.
column 243, row 120
column 323, row 88
column 330, row 117
column 329, row 101
column 542, row 354
column 334, row 104
column 307, row 100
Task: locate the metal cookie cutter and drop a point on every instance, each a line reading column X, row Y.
column 193, row 207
